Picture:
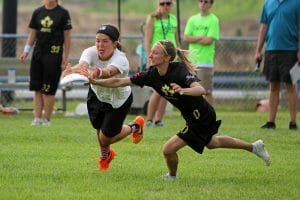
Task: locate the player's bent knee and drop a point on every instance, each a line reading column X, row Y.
column 167, row 150
column 213, row 143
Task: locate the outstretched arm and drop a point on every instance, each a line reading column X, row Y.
column 195, row 89
column 78, row 68
column 111, row 82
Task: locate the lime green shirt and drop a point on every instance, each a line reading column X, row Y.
column 164, row 29
column 197, row 25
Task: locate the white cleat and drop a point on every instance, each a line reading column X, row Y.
column 168, row 177
column 260, row 150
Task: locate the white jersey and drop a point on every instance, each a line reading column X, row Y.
column 114, row 96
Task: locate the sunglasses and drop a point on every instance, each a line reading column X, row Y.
column 204, row 1
column 168, row 3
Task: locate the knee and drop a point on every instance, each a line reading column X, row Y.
column 214, row 143
column 209, row 146
column 105, row 141
column 167, row 150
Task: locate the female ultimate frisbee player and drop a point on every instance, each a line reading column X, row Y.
column 178, row 83
column 108, row 107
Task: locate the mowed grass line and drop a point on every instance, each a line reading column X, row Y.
column 56, row 162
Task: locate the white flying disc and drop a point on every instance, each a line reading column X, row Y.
column 74, row 77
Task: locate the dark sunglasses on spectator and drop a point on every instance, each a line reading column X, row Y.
column 204, row 1
column 168, row 3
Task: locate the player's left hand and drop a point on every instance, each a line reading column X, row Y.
column 176, row 88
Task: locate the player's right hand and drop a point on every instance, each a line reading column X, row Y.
column 68, row 70
column 23, row 57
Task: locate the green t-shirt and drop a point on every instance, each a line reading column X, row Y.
column 197, row 25
column 164, row 29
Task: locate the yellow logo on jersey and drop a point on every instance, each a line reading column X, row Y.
column 46, row 24
column 167, row 90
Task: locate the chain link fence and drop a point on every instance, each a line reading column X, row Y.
column 236, row 83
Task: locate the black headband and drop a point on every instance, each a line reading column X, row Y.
column 111, row 31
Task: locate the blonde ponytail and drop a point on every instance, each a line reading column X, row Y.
column 170, row 50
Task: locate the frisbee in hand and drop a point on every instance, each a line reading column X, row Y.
column 74, row 77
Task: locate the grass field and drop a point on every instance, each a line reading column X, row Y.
column 56, row 162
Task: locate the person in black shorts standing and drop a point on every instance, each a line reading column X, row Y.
column 50, row 31
column 178, row 83
column 281, row 52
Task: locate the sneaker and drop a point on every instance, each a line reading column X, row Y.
column 260, row 150
column 36, row 122
column 168, row 177
column 293, row 126
column 159, row 123
column 269, row 125
column 46, row 122
column 149, row 123
column 138, row 133
column 103, row 165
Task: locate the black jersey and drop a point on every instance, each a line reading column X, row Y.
column 192, row 108
column 50, row 26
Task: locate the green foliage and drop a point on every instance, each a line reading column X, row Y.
column 56, row 162
column 227, row 10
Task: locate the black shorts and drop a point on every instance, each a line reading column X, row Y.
column 197, row 135
column 277, row 65
column 103, row 116
column 45, row 72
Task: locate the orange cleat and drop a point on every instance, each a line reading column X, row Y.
column 103, row 165
column 138, row 134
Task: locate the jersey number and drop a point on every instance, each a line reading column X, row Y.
column 196, row 114
column 55, row 49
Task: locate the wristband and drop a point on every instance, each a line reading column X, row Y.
column 98, row 72
column 27, row 48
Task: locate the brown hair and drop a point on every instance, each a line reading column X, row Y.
column 170, row 50
column 112, row 32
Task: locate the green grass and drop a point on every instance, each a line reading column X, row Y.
column 56, row 162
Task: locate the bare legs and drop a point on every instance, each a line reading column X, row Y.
column 106, row 141
column 228, row 142
column 38, row 104
column 49, row 101
column 292, row 101
column 175, row 143
column 43, row 102
column 169, row 150
column 274, row 101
